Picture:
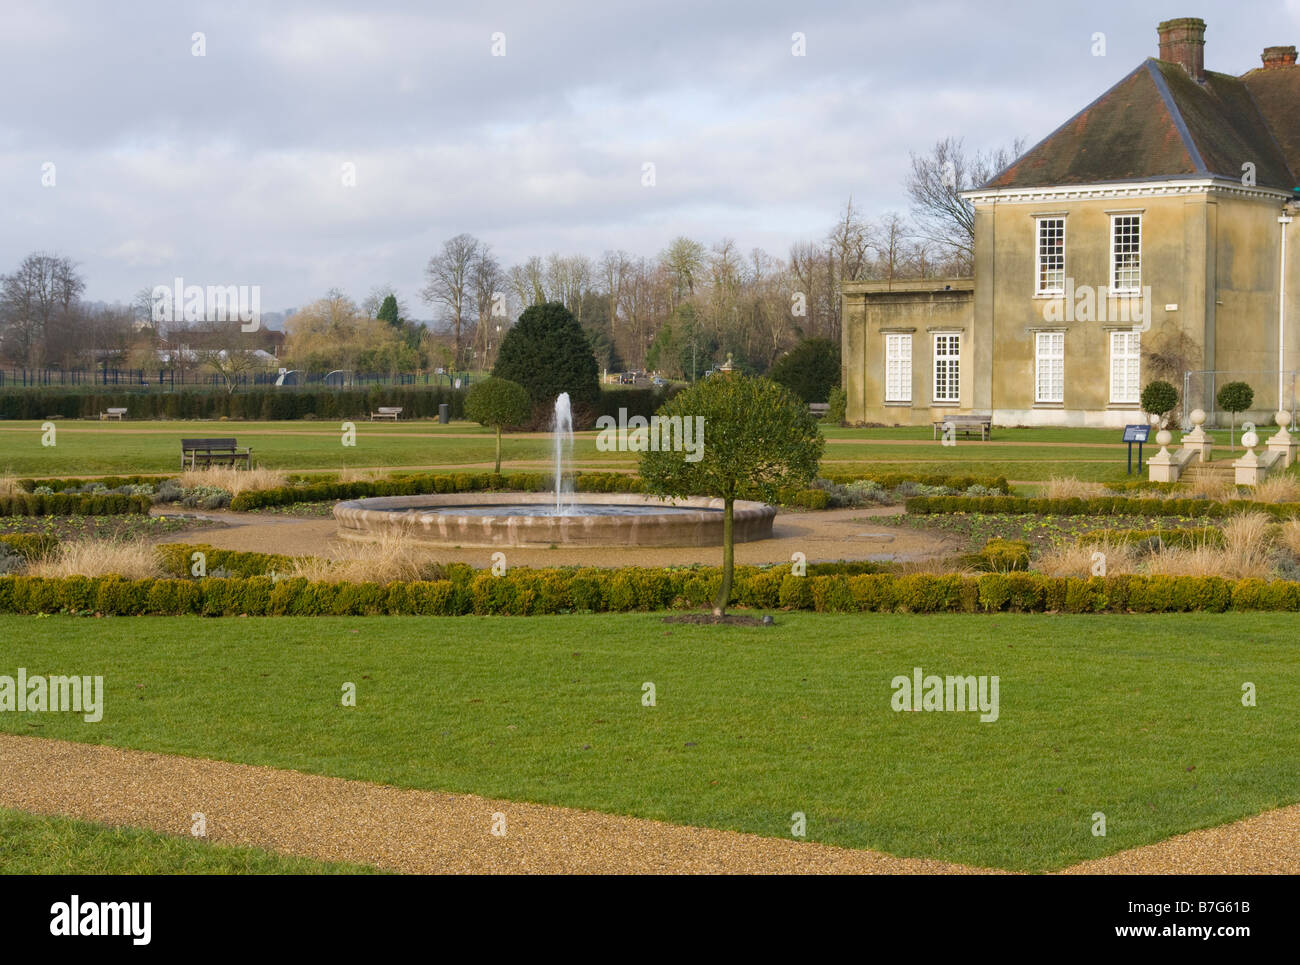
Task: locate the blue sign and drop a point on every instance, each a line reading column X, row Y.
column 1136, row 433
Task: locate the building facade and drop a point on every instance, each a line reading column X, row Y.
column 1153, row 231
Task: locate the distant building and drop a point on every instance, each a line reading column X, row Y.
column 1162, row 209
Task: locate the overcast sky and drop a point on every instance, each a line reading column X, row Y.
column 228, row 168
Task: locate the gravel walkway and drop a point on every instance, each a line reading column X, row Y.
column 402, row 830
column 429, row 832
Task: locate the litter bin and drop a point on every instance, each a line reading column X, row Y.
column 444, row 413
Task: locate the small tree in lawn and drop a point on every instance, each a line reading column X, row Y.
column 758, row 437
column 498, row 403
column 1235, row 397
column 1159, row 399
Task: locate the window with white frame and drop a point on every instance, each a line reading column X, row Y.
column 1125, row 252
column 1125, row 367
column 898, row 368
column 1049, row 367
column 947, row 368
column 1051, row 257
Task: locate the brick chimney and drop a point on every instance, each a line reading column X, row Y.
column 1182, row 42
column 1278, row 56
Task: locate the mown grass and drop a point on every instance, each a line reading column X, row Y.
column 1139, row 717
column 32, row 844
column 86, row 448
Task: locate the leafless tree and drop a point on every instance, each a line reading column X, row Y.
column 450, row 286
column 43, row 287
column 934, row 186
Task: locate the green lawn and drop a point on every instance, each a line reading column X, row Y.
column 33, row 844
column 88, row 447
column 1135, row 716
column 85, row 447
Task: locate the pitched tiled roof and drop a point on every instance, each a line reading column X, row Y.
column 1158, row 123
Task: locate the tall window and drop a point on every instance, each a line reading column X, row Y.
column 1125, row 366
column 1051, row 256
column 1049, row 368
column 898, row 368
column 1126, row 252
column 947, row 368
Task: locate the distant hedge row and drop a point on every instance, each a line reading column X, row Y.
column 533, row 592
column 1184, row 538
column 270, row 404
column 62, row 504
column 1094, row 506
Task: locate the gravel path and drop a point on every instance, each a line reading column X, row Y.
column 430, row 832
column 402, row 830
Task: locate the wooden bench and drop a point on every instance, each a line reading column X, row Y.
column 966, row 424
column 819, row 409
column 214, row 452
column 387, row 412
column 112, row 413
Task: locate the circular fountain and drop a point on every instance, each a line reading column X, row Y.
column 559, row 518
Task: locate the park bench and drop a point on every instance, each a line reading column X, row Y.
column 819, row 409
column 113, row 413
column 214, row 452
column 387, row 412
column 966, row 424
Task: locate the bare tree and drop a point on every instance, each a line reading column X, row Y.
column 449, row 285
column 890, row 245
column 43, row 287
column 487, row 280
column 935, row 184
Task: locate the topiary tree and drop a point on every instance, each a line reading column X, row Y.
column 1235, row 397
column 1159, row 399
column 547, row 352
column 758, row 437
column 498, row 403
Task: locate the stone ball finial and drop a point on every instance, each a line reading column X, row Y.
column 1250, row 440
column 1282, row 418
column 1197, row 417
column 1164, row 437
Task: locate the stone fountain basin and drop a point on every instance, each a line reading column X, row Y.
column 410, row 516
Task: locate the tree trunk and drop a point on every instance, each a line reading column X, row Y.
column 498, row 468
column 728, row 558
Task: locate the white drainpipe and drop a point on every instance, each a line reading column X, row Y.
column 1283, row 220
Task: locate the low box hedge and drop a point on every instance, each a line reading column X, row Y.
column 545, row 591
column 62, row 504
column 1094, row 506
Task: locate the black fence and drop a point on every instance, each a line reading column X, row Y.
column 173, row 377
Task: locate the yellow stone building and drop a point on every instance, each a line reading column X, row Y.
column 1161, row 214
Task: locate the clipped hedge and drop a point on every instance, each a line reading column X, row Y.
column 62, row 504
column 177, row 560
column 1094, row 506
column 526, row 592
column 275, row 404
